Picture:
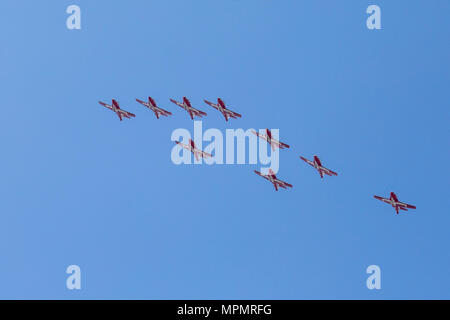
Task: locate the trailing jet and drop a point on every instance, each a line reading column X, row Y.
column 393, row 201
column 273, row 179
column 186, row 105
column 151, row 104
column 268, row 137
column 318, row 165
column 115, row 107
column 192, row 148
column 227, row 113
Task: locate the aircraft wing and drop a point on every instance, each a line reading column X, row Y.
column 409, row 206
column 105, row 105
column 280, row 145
column 127, row 114
column 281, row 185
column 260, row 174
column 307, row 161
column 262, row 136
column 206, row 154
column 177, row 103
column 275, row 143
column 382, row 199
column 164, row 112
column 158, row 111
column 182, row 145
column 142, row 102
column 284, row 184
column 197, row 112
column 211, row 104
column 201, row 153
column 233, row 114
column 329, row 172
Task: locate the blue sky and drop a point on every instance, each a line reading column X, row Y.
column 80, row 187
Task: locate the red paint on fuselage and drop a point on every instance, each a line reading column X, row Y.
column 192, row 143
column 186, row 101
column 317, row 160
column 151, row 101
column 221, row 103
column 115, row 103
column 394, row 197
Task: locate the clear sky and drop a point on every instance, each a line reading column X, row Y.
column 80, row 187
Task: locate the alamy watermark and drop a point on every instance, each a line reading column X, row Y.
column 74, row 20
column 374, row 280
column 374, row 20
column 235, row 147
column 74, row 280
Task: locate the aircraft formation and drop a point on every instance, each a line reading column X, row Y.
column 228, row 114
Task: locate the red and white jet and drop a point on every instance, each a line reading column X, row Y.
column 192, row 148
column 186, row 105
column 115, row 107
column 393, row 201
column 151, row 104
column 318, row 165
column 227, row 113
column 273, row 179
column 273, row 142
